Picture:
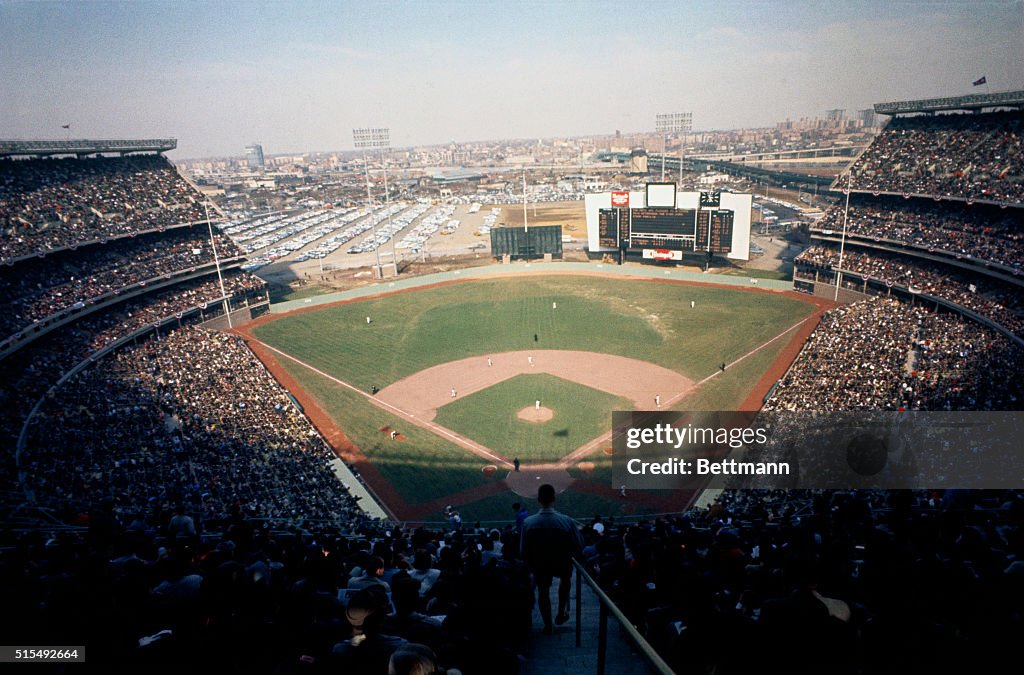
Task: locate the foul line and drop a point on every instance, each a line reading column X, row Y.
column 587, row 448
column 458, row 439
column 481, row 451
column 755, row 350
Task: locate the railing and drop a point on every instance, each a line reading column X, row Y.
column 654, row 662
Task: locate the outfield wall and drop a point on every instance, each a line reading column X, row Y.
column 491, row 271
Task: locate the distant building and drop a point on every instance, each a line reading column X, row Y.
column 254, row 156
column 836, row 115
column 867, row 118
column 638, row 161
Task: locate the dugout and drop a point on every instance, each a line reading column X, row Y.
column 526, row 243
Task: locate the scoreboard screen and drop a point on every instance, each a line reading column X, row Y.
column 660, row 228
column 715, row 227
column 608, row 221
column 664, row 222
column 665, row 229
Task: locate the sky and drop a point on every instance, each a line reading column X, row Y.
column 299, row 76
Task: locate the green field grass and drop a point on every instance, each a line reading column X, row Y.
column 644, row 320
column 489, row 417
column 415, row 330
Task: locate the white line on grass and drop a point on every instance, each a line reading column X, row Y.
column 458, row 439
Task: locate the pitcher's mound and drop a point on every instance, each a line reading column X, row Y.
column 534, row 414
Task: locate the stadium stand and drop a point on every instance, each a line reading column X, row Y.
column 48, row 204
column 955, row 156
column 998, row 302
column 42, row 289
column 984, row 234
column 159, row 509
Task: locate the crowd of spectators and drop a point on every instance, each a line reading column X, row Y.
column 885, row 354
column 961, row 156
column 841, row 581
column 191, row 417
column 979, row 232
column 53, row 203
column 31, row 371
column 176, row 582
column 38, row 288
column 980, row 294
column 815, row 582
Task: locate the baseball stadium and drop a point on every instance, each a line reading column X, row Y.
column 256, row 441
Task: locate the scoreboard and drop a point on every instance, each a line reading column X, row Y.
column 705, row 223
column 687, row 230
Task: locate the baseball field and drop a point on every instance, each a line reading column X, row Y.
column 433, row 392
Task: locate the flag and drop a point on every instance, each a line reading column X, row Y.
column 980, row 81
column 65, row 126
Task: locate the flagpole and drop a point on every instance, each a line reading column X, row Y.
column 842, row 240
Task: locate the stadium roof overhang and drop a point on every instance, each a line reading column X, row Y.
column 82, row 147
column 1000, row 99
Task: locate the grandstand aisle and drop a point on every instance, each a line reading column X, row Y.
column 557, row 654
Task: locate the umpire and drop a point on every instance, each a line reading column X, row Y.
column 549, row 542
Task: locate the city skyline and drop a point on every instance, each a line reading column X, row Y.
column 298, row 77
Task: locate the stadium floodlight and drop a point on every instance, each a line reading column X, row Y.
column 376, row 137
column 216, row 261
column 671, row 123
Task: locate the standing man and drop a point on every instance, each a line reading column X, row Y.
column 657, row 400
column 549, row 542
column 453, row 392
column 515, row 464
column 489, row 362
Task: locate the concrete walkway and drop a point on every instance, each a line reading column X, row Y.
column 558, row 655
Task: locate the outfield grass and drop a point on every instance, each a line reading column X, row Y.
column 644, row 320
column 489, row 417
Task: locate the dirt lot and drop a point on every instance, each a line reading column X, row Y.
column 570, row 215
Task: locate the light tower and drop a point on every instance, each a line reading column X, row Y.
column 378, row 137
column 671, row 123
